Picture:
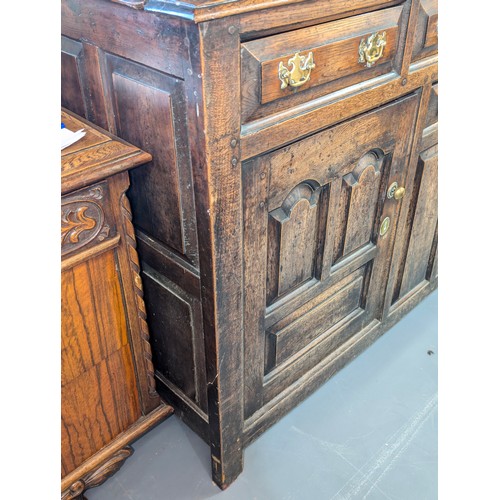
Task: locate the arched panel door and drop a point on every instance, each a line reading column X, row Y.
column 318, row 235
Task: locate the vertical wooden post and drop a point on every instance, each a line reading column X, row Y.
column 217, row 179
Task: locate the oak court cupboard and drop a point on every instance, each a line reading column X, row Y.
column 289, row 215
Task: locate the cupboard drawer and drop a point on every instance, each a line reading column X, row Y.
column 426, row 35
column 340, row 52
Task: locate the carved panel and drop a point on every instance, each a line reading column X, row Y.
column 430, row 132
column 312, row 210
column 85, row 219
column 358, row 204
column 293, row 236
column 99, row 475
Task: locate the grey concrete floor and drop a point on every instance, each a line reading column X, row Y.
column 369, row 433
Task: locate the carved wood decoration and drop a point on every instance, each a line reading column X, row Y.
column 107, row 376
column 97, row 476
column 271, row 251
column 293, row 240
column 138, row 292
column 83, row 219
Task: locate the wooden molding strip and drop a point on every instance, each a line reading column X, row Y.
column 135, row 431
column 91, row 252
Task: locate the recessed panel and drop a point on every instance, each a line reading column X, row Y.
column 424, row 226
column 149, row 109
column 293, row 240
column 171, row 330
column 72, row 78
column 358, row 205
column 320, row 316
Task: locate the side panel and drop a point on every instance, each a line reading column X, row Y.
column 98, row 392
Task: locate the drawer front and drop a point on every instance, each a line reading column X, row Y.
column 341, row 53
column 319, row 229
column 426, row 35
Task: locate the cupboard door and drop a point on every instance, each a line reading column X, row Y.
column 318, row 235
column 418, row 262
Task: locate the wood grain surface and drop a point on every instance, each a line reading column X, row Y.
column 108, row 394
column 259, row 217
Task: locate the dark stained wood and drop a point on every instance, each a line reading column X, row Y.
column 258, row 218
column 431, row 117
column 205, row 10
column 309, row 322
column 107, row 384
column 174, row 357
column 139, row 35
column 337, row 81
column 71, row 79
column 291, row 177
column 423, row 225
column 218, row 177
column 424, row 252
column 430, row 132
column 303, row 387
column 135, row 107
column 293, row 253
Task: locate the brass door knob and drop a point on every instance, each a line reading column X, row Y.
column 399, row 193
column 395, row 191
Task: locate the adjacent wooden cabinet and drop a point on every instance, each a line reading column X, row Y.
column 289, row 215
column 108, row 393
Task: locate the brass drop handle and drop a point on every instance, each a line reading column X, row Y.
column 395, row 191
column 372, row 49
column 299, row 73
